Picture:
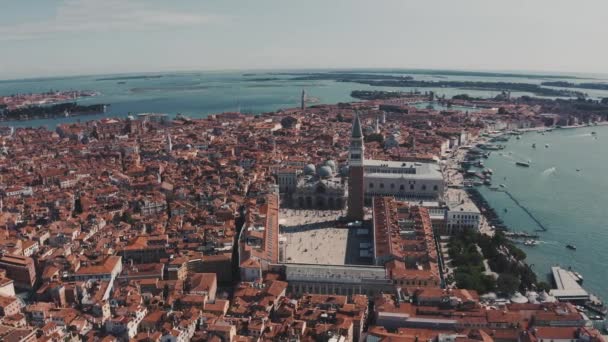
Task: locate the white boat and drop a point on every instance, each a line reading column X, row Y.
column 531, row 243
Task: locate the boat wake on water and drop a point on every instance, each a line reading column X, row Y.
column 580, row 135
column 549, row 171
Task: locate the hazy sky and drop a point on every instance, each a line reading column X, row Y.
column 65, row 37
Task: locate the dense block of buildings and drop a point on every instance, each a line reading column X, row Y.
column 159, row 229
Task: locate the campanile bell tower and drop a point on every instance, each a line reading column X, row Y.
column 355, row 172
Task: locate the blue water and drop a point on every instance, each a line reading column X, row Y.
column 198, row 94
column 570, row 203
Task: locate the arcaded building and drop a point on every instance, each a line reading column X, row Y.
column 409, row 181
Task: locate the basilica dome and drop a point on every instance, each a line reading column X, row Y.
column 310, row 169
column 325, row 172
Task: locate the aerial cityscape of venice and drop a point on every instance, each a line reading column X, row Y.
column 189, row 171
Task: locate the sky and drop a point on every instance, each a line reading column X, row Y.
column 74, row 37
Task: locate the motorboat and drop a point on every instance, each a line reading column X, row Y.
column 570, row 246
column 524, row 164
column 578, row 276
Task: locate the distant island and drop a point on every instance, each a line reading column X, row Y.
column 16, row 101
column 433, row 73
column 382, row 80
column 262, row 79
column 375, row 94
column 126, row 78
column 562, row 84
column 457, row 73
column 52, row 111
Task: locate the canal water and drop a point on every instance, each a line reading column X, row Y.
column 566, row 189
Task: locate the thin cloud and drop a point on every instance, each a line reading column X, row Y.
column 93, row 16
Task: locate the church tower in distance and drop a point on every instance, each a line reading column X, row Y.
column 355, row 172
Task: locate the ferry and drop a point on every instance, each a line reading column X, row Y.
column 570, row 246
column 524, row 164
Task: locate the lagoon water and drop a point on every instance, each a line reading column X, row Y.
column 571, row 204
column 198, row 94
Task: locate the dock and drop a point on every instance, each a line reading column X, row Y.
column 568, row 289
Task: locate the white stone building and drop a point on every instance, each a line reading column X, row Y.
column 403, row 180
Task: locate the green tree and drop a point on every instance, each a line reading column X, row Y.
column 543, row 286
column 507, row 283
column 489, row 283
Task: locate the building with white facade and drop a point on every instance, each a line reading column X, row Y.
column 462, row 216
column 403, row 180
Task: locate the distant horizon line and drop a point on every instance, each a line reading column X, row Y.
column 224, row 70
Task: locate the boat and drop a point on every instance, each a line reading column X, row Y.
column 503, row 186
column 594, row 133
column 546, row 145
column 505, row 210
column 578, row 276
column 530, row 243
column 487, row 182
column 533, row 145
column 517, row 137
column 570, row 246
column 524, row 164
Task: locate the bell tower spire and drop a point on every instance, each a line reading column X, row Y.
column 356, row 157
